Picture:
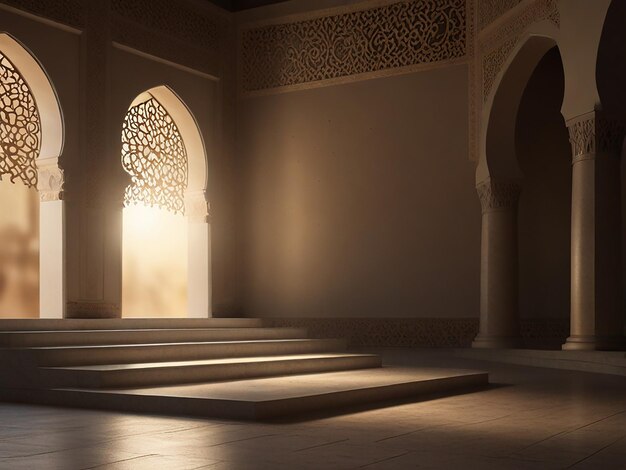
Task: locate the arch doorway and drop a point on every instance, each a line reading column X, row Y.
column 31, row 140
column 166, row 238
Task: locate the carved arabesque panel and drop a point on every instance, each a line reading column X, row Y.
column 20, row 126
column 506, row 37
column 489, row 10
column 397, row 35
column 154, row 154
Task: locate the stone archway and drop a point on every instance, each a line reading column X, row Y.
column 38, row 167
column 499, row 184
column 169, row 172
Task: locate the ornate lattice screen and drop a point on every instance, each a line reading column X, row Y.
column 153, row 153
column 20, row 126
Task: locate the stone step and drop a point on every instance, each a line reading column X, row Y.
column 265, row 398
column 12, row 339
column 163, row 373
column 141, row 353
column 44, row 324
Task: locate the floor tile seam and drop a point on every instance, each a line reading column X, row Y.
column 321, row 445
column 569, row 431
column 384, row 460
column 118, row 461
column 242, row 440
column 595, row 453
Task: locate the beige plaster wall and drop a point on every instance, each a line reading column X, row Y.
column 544, row 156
column 359, row 201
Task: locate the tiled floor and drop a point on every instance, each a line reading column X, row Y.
column 529, row 419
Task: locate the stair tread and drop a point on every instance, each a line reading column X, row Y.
column 299, row 385
column 235, row 360
column 248, row 328
column 183, row 343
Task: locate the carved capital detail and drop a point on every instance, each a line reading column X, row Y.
column 595, row 133
column 498, row 195
column 197, row 208
column 50, row 180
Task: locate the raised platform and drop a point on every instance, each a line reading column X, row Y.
column 602, row 362
column 226, row 368
column 266, row 398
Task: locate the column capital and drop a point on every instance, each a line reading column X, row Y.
column 596, row 133
column 197, row 208
column 50, row 180
column 498, row 194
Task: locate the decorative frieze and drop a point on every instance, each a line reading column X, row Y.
column 498, row 195
column 596, row 133
column 490, row 10
column 325, row 48
column 179, row 19
column 419, row 332
column 69, row 12
column 388, row 332
column 85, row 309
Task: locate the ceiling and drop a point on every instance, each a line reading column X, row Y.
column 238, row 5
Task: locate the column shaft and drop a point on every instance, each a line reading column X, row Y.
column 499, row 317
column 596, row 315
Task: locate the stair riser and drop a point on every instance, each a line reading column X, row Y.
column 85, row 338
column 130, row 378
column 43, row 324
column 180, row 352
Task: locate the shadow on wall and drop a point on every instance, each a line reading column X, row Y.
column 544, row 155
column 154, row 266
column 19, row 251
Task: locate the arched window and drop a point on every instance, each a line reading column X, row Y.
column 20, row 142
column 154, row 279
column 154, row 154
column 166, row 239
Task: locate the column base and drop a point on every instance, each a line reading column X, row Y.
column 594, row 343
column 497, row 342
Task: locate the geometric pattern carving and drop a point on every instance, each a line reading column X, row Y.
column 419, row 332
column 181, row 20
column 506, row 36
column 596, row 133
column 381, row 332
column 20, row 126
column 496, row 195
column 489, row 10
column 391, row 36
column 69, row 12
column 153, row 153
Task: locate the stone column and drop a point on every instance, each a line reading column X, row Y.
column 95, row 211
column 199, row 255
column 499, row 316
column 52, row 239
column 596, row 308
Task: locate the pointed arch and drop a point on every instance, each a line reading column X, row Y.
column 41, row 138
column 497, row 138
column 164, row 153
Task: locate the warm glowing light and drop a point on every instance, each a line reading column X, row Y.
column 154, row 266
column 19, row 250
